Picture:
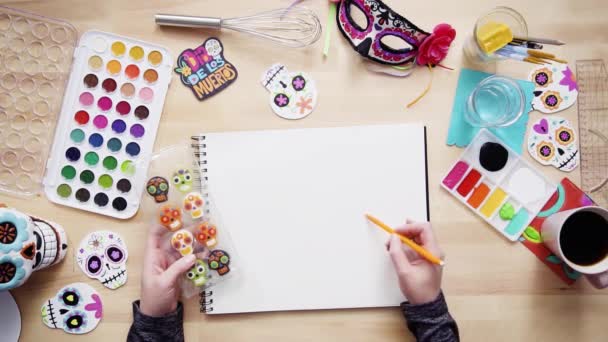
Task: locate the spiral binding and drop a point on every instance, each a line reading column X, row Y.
column 200, row 153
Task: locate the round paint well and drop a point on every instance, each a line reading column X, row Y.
column 132, row 71
column 105, row 181
column 77, row 135
column 118, row 49
column 127, row 90
column 91, row 158
column 82, row 117
column 100, row 121
column 83, row 195
column 101, row 199
column 133, row 149
column 136, row 53
column 72, row 154
column 114, row 67
column 99, row 44
column 110, row 163
column 123, row 185
column 142, row 112
column 155, row 58
column 114, row 144
column 96, row 140
column 86, row 99
column 95, row 62
column 68, row 172
column 127, row 167
column 87, row 176
column 109, row 85
column 64, row 190
column 90, row 81
column 137, row 131
column 119, row 203
column 119, row 126
column 123, row 107
column 146, row 94
column 104, row 103
column 151, row 76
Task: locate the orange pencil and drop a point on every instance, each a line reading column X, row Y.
column 416, row 247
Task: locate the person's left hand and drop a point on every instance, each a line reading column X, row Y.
column 161, row 272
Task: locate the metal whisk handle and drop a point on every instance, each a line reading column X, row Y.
column 187, row 21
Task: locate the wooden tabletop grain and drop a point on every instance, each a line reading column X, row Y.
column 496, row 290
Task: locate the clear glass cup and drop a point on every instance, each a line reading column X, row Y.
column 501, row 14
column 497, row 101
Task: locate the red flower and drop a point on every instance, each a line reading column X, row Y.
column 435, row 47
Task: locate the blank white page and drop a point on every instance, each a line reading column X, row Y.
column 294, row 204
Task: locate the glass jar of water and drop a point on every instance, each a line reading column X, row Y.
column 497, row 101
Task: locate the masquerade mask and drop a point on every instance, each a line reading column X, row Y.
column 371, row 39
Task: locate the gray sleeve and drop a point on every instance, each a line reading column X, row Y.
column 168, row 328
column 431, row 322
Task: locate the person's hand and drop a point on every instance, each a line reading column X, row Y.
column 161, row 272
column 419, row 280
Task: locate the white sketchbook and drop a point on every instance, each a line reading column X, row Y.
column 294, row 204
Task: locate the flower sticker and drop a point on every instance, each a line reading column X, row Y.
column 11, row 272
column 13, row 232
column 95, row 242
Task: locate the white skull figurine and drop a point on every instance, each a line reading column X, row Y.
column 76, row 308
column 27, row 244
column 213, row 47
column 552, row 141
column 102, row 255
column 293, row 95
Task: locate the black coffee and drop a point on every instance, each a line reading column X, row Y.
column 584, row 238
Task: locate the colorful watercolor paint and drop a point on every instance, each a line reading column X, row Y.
column 493, row 202
column 469, row 182
column 455, row 175
column 518, row 223
column 479, row 194
column 112, row 78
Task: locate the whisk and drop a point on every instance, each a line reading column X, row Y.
column 292, row 27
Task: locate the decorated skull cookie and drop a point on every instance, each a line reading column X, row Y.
column 182, row 179
column 555, row 88
column 182, row 241
column 198, row 273
column 206, row 234
column 76, row 308
column 552, row 141
column 219, row 261
column 171, row 217
column 27, row 244
column 193, row 204
column 102, row 255
column 293, row 95
column 158, row 188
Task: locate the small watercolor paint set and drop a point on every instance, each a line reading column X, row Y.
column 498, row 185
column 108, row 123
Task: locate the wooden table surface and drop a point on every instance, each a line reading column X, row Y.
column 496, row 290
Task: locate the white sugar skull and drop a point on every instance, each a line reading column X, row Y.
column 193, row 204
column 76, row 308
column 182, row 241
column 293, row 95
column 213, row 47
column 556, row 88
column 27, row 244
column 102, row 255
column 552, row 141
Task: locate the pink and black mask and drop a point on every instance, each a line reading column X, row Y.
column 381, row 23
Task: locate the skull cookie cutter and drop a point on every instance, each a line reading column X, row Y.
column 102, row 255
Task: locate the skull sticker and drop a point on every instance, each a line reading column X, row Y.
column 219, row 261
column 158, row 187
column 193, row 204
column 206, row 234
column 182, row 241
column 27, row 244
column 182, row 179
column 171, row 217
column 556, row 88
column 292, row 95
column 552, row 141
column 102, row 255
column 76, row 308
column 198, row 273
